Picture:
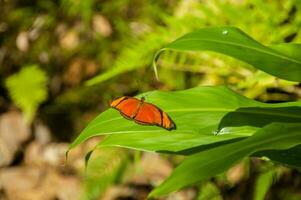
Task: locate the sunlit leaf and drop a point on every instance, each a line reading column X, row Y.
column 214, row 161
column 203, row 115
column 285, row 64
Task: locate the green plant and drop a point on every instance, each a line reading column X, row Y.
column 216, row 127
column 253, row 17
column 265, row 180
column 209, row 191
column 28, row 89
column 105, row 168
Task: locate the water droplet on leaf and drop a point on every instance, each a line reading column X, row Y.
column 215, row 132
column 224, row 130
column 225, row 32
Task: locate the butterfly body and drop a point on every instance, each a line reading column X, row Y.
column 142, row 112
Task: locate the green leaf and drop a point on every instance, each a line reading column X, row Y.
column 260, row 116
column 235, row 43
column 209, row 191
column 179, row 143
column 28, row 89
column 197, row 113
column 104, row 169
column 290, row 157
column 139, row 50
column 263, row 182
column 292, row 50
column 214, row 161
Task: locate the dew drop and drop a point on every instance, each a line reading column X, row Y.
column 215, row 132
column 225, row 32
column 222, row 131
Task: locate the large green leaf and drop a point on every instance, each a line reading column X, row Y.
column 282, row 61
column 292, row 50
column 179, row 143
column 290, row 157
column 197, row 113
column 208, row 163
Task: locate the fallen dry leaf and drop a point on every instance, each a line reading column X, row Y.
column 152, row 169
column 13, row 132
column 236, row 173
column 102, row 25
column 33, row 183
column 78, row 69
column 69, row 39
column 22, row 41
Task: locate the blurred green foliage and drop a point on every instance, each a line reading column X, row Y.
column 256, row 18
column 264, row 181
column 28, row 89
column 74, row 40
column 209, row 191
column 104, row 169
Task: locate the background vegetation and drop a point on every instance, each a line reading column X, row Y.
column 62, row 61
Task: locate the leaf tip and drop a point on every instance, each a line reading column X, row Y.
column 87, row 158
column 66, row 157
column 155, row 67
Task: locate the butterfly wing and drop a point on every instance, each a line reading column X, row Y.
column 127, row 106
column 167, row 122
column 142, row 112
column 150, row 114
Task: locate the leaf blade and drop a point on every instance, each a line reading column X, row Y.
column 197, row 113
column 213, row 161
column 235, row 43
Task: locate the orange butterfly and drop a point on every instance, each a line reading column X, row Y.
column 142, row 113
